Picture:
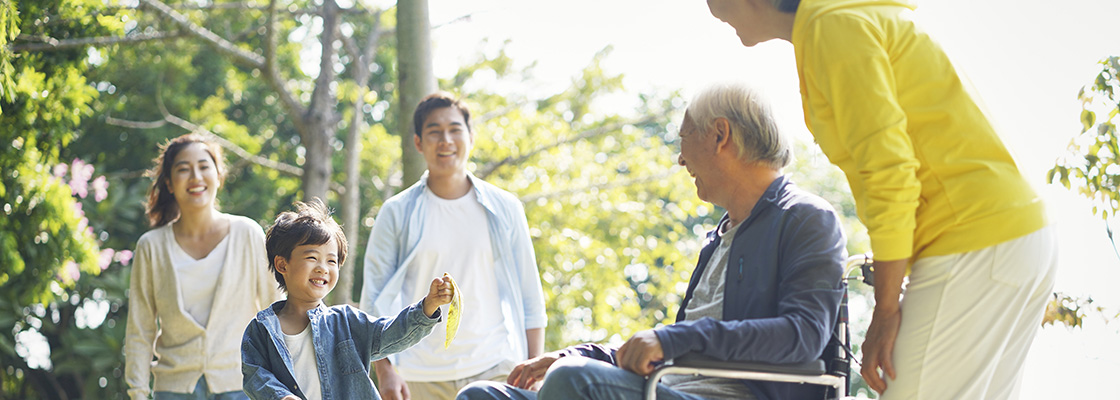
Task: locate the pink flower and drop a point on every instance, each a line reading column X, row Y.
column 59, row 170
column 106, row 258
column 100, row 188
column 71, row 271
column 80, row 173
column 123, row 256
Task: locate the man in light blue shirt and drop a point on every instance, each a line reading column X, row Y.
column 450, row 221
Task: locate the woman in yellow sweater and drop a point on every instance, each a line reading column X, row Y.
column 942, row 199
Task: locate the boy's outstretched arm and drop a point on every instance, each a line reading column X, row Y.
column 258, row 381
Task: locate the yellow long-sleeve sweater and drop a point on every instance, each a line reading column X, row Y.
column 929, row 174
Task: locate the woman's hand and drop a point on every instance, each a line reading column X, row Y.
column 878, row 347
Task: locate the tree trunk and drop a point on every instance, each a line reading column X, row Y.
column 414, row 64
column 351, row 202
column 321, row 116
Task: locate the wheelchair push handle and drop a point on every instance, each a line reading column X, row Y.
column 865, row 264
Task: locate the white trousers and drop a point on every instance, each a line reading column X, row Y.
column 968, row 320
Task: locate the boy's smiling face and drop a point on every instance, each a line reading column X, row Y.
column 311, row 272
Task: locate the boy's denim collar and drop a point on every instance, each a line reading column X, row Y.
column 274, row 310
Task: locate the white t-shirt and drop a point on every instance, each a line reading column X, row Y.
column 198, row 279
column 456, row 241
column 302, row 349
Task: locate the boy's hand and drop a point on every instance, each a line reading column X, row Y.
column 439, row 293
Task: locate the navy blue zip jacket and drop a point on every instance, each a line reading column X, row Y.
column 781, row 295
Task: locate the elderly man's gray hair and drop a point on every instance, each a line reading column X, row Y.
column 753, row 127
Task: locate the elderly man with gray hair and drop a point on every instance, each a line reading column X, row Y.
column 766, row 287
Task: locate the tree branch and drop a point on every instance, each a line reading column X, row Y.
column 461, row 18
column 135, row 124
column 321, row 95
column 489, row 168
column 226, row 144
column 599, row 186
column 245, row 5
column 482, row 119
column 52, row 44
column 272, row 71
column 251, row 59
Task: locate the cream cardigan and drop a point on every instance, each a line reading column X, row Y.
column 159, row 326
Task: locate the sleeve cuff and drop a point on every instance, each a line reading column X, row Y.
column 892, row 245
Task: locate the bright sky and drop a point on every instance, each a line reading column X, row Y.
column 1028, row 58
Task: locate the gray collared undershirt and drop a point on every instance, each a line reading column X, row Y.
column 707, row 301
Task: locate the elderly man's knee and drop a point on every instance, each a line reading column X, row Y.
column 569, row 368
column 481, row 390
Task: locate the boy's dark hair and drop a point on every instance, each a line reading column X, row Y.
column 434, row 102
column 310, row 224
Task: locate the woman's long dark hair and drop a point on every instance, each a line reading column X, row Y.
column 161, row 205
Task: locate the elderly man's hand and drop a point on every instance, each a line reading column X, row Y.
column 639, row 354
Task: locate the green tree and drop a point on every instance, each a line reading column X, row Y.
column 9, row 28
column 47, row 245
column 1092, row 168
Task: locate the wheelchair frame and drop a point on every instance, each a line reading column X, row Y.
column 832, row 369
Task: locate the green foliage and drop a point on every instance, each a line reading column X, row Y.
column 1092, row 167
column 9, row 28
column 1093, row 163
column 1071, row 311
column 43, row 228
column 56, row 244
column 48, row 248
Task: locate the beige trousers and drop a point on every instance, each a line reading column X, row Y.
column 968, row 320
column 446, row 390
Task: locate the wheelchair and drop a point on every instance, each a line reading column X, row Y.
column 832, row 369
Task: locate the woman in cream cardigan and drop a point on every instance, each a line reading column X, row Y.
column 199, row 276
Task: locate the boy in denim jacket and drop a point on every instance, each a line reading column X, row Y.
column 300, row 349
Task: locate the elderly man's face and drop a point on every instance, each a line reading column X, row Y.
column 697, row 153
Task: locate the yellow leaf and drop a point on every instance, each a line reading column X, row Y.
column 454, row 312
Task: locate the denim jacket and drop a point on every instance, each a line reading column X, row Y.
column 399, row 227
column 346, row 341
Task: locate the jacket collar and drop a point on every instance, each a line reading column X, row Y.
column 483, row 195
column 772, row 195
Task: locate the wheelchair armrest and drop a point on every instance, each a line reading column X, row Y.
column 696, row 360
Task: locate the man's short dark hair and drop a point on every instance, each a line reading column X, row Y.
column 312, row 224
column 434, row 102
